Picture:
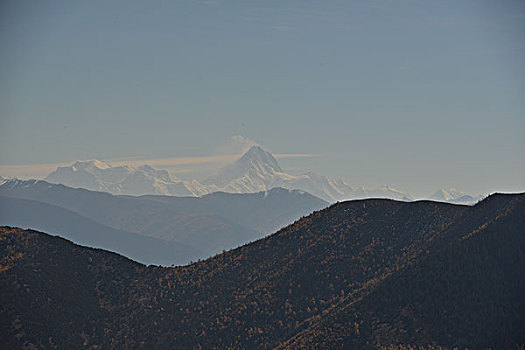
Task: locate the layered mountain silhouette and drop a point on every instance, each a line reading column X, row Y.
column 361, row 274
column 190, row 228
column 255, row 171
column 87, row 232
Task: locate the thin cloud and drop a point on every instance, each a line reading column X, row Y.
column 174, row 162
column 28, row 171
column 295, row 155
column 203, row 160
column 182, row 164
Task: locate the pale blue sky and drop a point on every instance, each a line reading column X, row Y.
column 416, row 94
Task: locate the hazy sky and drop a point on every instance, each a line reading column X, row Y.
column 417, row 94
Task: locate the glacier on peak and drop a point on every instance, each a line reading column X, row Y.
column 92, row 163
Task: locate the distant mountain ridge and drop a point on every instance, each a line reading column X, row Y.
column 81, row 230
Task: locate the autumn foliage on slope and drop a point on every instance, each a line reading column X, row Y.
column 369, row 273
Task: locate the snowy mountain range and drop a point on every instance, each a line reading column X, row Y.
column 99, row 176
column 451, row 195
column 255, row 171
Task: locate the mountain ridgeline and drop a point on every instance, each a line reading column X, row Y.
column 151, row 229
column 360, row 274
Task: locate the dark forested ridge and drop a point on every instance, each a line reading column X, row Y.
column 359, row 274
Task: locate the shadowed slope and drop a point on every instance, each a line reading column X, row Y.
column 469, row 294
column 388, row 262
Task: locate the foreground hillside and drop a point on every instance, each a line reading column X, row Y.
column 360, row 274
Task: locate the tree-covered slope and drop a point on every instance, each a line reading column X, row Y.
column 360, row 273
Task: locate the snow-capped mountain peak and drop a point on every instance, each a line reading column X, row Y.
column 254, row 165
column 257, row 157
column 447, row 194
column 258, row 170
column 452, row 195
column 383, row 191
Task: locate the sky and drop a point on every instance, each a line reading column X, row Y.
column 419, row 95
